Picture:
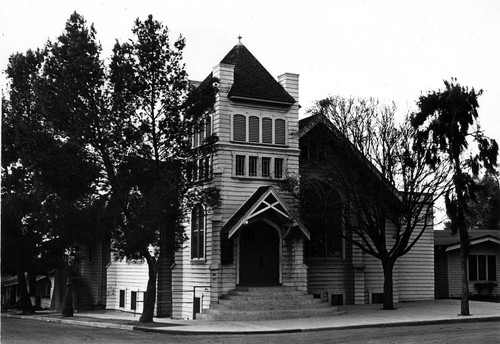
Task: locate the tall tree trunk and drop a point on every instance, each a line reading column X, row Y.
column 464, row 304
column 68, row 308
column 165, row 274
column 388, row 266
column 464, row 239
column 26, row 305
column 150, row 297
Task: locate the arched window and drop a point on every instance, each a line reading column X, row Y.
column 239, row 128
column 267, row 130
column 198, row 232
column 279, row 135
column 253, row 129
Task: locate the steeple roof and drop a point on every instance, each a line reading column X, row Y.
column 252, row 81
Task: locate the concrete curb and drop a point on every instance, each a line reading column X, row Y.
column 332, row 328
column 172, row 331
column 73, row 322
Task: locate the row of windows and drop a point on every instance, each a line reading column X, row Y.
column 200, row 169
column 259, row 167
column 133, row 299
column 204, row 132
column 259, row 130
column 482, row 267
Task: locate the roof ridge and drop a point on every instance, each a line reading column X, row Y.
column 252, row 81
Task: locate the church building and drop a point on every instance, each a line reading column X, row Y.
column 254, row 242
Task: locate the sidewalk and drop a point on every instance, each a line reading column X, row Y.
column 358, row 316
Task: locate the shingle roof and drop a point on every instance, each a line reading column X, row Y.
column 251, row 80
column 445, row 238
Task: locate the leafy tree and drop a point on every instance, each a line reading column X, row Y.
column 150, row 84
column 133, row 119
column 448, row 122
column 483, row 209
column 369, row 172
column 45, row 181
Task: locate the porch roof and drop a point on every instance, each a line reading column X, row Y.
column 264, row 200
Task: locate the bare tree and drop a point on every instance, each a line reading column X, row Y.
column 386, row 189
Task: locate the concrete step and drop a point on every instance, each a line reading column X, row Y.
column 267, row 294
column 264, row 303
column 238, row 302
column 225, row 315
column 265, row 289
column 269, row 306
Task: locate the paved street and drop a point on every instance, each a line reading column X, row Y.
column 25, row 331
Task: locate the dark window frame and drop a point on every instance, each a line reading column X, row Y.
column 198, row 229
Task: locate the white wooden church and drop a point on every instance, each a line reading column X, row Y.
column 252, row 247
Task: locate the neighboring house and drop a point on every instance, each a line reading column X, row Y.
column 256, row 237
column 40, row 297
column 483, row 266
column 86, row 276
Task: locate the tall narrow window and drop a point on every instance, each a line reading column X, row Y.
column 197, row 232
column 492, row 268
column 208, row 126
column 267, row 130
column 240, row 165
column 133, row 300
column 208, row 168
column 196, row 139
column 122, row 299
column 201, row 169
column 278, row 168
column 253, row 129
column 239, row 128
column 266, row 167
column 481, row 267
column 252, row 166
column 279, row 135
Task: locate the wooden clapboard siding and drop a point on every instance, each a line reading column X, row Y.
column 92, row 271
column 294, row 273
column 188, row 274
column 416, row 269
column 128, row 276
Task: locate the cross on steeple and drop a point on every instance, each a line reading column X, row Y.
column 239, row 39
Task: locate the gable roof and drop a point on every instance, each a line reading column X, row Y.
column 252, row 81
column 476, row 236
column 308, row 123
column 265, row 201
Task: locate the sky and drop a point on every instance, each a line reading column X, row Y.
column 387, row 49
column 392, row 50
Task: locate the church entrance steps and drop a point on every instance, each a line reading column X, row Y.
column 265, row 303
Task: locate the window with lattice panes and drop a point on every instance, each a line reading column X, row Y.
column 278, row 168
column 240, row 165
column 197, row 232
column 252, row 166
column 266, row 167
